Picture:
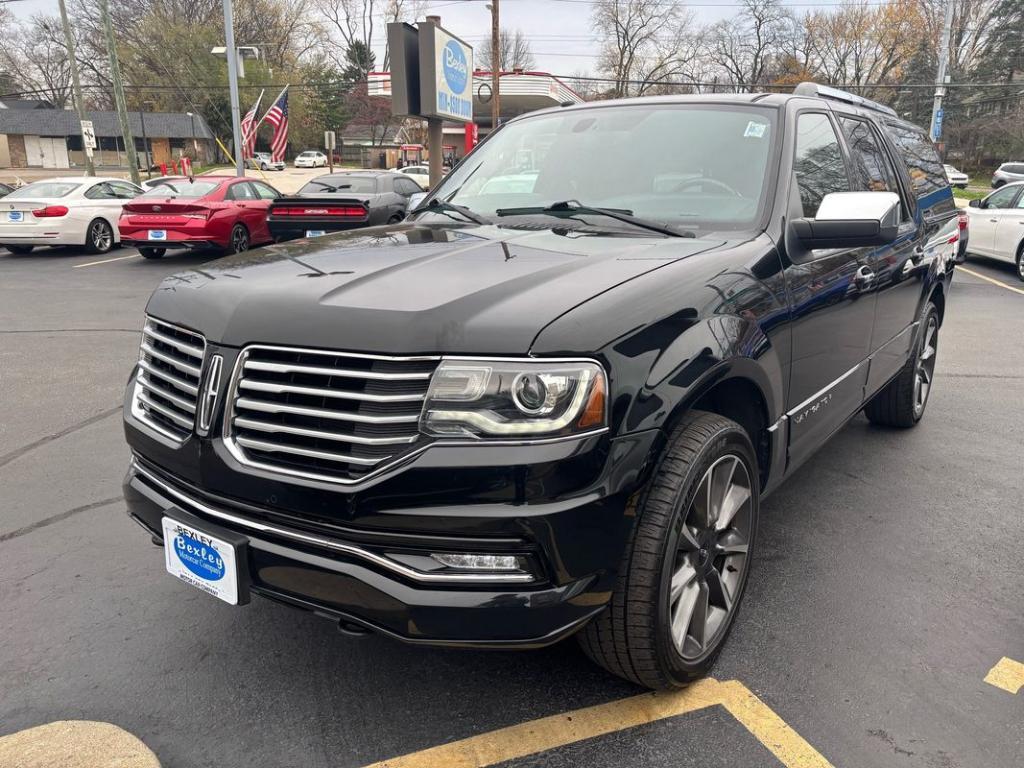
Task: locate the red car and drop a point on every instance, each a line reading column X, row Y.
column 225, row 213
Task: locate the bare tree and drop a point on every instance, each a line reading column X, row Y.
column 513, row 51
column 642, row 41
column 36, row 58
column 744, row 47
column 364, row 21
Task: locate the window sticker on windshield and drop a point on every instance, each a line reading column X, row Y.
column 755, row 130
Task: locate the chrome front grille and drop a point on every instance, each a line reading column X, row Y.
column 334, row 416
column 170, row 362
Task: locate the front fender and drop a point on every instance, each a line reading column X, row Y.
column 714, row 350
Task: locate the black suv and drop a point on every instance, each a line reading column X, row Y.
column 550, row 402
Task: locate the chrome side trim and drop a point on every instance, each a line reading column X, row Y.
column 778, row 423
column 319, row 541
column 821, row 392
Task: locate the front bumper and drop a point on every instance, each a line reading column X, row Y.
column 372, row 577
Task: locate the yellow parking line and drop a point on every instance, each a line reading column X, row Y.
column 559, row 730
column 75, row 744
column 988, row 279
column 1007, row 674
column 105, row 261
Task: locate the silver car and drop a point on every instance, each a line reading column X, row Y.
column 1006, row 173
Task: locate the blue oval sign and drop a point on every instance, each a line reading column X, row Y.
column 456, row 69
column 202, row 559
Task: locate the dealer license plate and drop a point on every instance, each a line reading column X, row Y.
column 205, row 561
column 315, row 232
column 15, row 216
column 158, row 234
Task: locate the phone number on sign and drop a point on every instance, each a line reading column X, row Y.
column 454, row 105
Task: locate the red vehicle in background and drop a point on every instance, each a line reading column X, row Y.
column 225, row 213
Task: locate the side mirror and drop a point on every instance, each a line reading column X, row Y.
column 976, row 203
column 851, row 220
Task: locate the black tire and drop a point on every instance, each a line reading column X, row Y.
column 1020, row 261
column 395, row 219
column 900, row 403
column 633, row 637
column 20, row 250
column 99, row 237
column 239, row 239
column 152, row 253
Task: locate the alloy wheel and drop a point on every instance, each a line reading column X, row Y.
column 711, row 557
column 101, row 237
column 925, row 365
column 239, row 240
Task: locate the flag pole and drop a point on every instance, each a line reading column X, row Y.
column 249, row 133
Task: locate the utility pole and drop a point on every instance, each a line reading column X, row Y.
column 232, row 54
column 940, row 77
column 76, row 84
column 435, row 134
column 495, row 65
column 122, row 109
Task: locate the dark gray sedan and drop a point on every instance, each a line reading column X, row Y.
column 339, row 201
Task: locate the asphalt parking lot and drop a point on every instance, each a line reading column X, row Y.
column 888, row 582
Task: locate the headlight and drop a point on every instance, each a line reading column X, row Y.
column 483, row 398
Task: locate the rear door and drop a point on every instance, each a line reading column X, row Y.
column 896, row 270
column 1010, row 228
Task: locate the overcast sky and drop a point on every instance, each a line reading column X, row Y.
column 559, row 30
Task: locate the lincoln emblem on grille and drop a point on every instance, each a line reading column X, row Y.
column 210, row 391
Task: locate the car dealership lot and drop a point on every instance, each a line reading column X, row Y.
column 871, row 642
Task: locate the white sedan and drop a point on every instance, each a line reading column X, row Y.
column 996, row 224
column 311, row 159
column 418, row 173
column 64, row 211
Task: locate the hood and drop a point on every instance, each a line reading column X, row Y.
column 410, row 288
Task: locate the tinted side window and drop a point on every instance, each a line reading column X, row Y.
column 926, row 171
column 101, row 191
column 818, row 164
column 265, row 191
column 241, row 191
column 1013, row 168
column 872, row 170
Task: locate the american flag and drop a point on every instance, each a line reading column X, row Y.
column 249, row 129
column 277, row 116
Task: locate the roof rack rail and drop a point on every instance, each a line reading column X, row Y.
column 828, row 92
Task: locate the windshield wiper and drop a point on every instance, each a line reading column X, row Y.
column 440, row 206
column 572, row 207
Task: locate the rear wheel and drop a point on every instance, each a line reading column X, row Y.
column 99, row 237
column 239, row 239
column 902, row 401
column 1020, row 260
column 20, row 250
column 685, row 570
column 152, row 253
column 395, row 219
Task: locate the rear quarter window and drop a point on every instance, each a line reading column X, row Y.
column 926, row 172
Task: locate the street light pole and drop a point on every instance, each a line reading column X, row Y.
column 495, row 66
column 236, row 117
column 940, row 76
column 115, row 77
column 76, row 84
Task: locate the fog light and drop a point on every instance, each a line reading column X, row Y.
column 479, row 562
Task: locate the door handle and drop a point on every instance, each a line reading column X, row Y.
column 994, row 221
column 864, row 277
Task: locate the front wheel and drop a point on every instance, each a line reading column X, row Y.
column 152, row 253
column 685, row 569
column 99, row 237
column 902, row 401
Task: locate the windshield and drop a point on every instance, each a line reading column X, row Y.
column 348, row 184
column 693, row 166
column 44, row 189
column 308, row 154
column 184, row 188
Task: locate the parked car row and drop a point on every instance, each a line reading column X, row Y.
column 225, row 213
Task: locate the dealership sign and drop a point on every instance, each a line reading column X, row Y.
column 431, row 73
column 446, row 75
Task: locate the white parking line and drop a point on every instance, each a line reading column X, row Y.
column 106, row 261
column 988, row 279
